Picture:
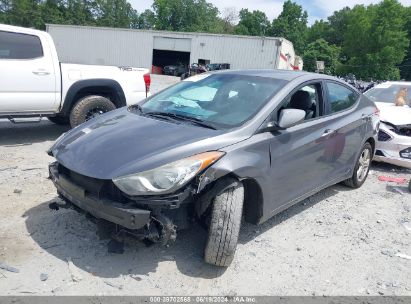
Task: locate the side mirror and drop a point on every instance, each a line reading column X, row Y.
column 289, row 117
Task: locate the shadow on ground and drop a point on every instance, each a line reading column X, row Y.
column 29, row 133
column 67, row 234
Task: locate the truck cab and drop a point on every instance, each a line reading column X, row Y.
column 34, row 83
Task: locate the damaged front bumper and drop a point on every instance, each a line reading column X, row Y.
column 140, row 222
column 393, row 146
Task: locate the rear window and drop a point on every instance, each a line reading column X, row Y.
column 340, row 97
column 19, row 46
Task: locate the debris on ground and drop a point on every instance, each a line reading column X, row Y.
column 135, row 277
column 44, row 277
column 391, row 179
column 114, row 285
column 74, row 272
column 8, row 268
column 17, row 191
column 403, row 256
column 396, row 189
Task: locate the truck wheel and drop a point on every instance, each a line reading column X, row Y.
column 361, row 168
column 224, row 226
column 59, row 120
column 88, row 108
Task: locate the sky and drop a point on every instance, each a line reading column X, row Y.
column 317, row 9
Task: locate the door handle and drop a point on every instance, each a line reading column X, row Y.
column 328, row 132
column 41, row 72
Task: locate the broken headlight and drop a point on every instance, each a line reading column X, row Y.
column 167, row 178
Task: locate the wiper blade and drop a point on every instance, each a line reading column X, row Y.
column 180, row 117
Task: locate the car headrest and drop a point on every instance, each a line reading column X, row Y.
column 301, row 100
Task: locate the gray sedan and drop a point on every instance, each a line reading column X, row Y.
column 214, row 148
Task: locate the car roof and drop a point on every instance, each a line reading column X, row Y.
column 277, row 74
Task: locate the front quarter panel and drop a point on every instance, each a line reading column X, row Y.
column 246, row 160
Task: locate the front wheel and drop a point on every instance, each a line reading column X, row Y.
column 225, row 225
column 362, row 167
column 88, row 108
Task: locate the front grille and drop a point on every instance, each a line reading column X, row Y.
column 103, row 189
column 382, row 136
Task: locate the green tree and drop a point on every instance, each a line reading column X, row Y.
column 25, row 13
column 146, row 20
column 319, row 30
column 376, row 40
column 405, row 68
column 253, row 23
column 337, row 26
column 321, row 50
column 115, row 13
column 80, row 12
column 185, row 15
column 292, row 25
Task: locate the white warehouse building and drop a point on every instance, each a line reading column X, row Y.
column 148, row 48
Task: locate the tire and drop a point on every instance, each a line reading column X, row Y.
column 59, row 120
column 357, row 179
column 89, row 107
column 224, row 226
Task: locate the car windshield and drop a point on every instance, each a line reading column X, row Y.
column 386, row 94
column 223, row 100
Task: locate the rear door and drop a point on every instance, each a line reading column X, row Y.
column 347, row 123
column 27, row 73
column 303, row 156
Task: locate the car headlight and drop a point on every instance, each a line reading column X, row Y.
column 167, row 178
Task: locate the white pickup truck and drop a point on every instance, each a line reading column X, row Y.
column 33, row 83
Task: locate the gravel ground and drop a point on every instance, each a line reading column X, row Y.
column 338, row 242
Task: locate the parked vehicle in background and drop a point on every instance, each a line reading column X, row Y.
column 394, row 138
column 175, row 70
column 35, row 84
column 226, row 144
column 194, row 69
column 217, row 66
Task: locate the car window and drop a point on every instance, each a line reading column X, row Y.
column 388, row 93
column 339, row 97
column 19, row 46
column 307, row 98
column 225, row 100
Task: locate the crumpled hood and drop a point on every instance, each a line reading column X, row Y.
column 119, row 143
column 395, row 115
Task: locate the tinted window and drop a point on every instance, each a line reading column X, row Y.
column 19, row 46
column 225, row 100
column 339, row 97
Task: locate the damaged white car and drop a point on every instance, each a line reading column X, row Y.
column 393, row 99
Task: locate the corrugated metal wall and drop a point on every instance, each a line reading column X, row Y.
column 107, row 46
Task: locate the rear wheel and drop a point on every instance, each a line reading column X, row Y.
column 224, row 226
column 362, row 167
column 88, row 108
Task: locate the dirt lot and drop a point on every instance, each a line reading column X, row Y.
column 338, row 242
